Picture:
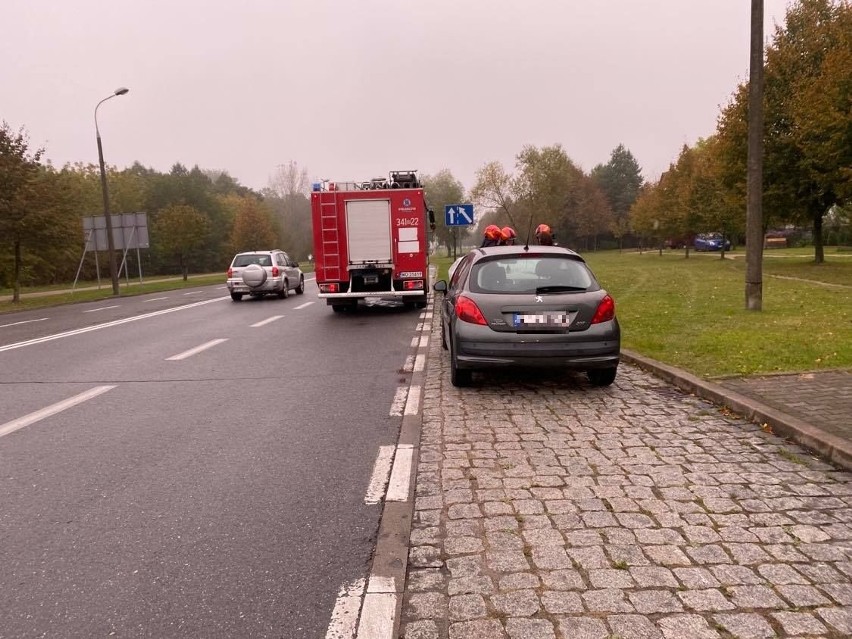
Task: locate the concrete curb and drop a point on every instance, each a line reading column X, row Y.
column 390, row 560
column 829, row 446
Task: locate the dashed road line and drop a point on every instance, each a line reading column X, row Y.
column 379, row 478
column 155, row 299
column 41, row 319
column 412, row 404
column 344, row 616
column 53, row 409
column 398, row 403
column 268, row 320
column 301, row 306
column 196, row 350
column 101, row 308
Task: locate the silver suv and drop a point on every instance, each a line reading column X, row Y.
column 259, row 273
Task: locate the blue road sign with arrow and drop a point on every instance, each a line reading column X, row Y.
column 458, row 214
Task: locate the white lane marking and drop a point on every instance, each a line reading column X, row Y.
column 398, row 404
column 41, row 319
column 102, row 308
column 196, row 350
column 409, row 364
column 379, row 479
column 377, row 583
column 412, row 405
column 344, row 617
column 53, row 409
column 418, row 328
column 267, row 321
column 96, row 327
column 156, row 299
column 401, row 474
column 413, row 342
column 192, row 293
column 377, row 616
column 424, row 340
column 419, row 362
column 426, row 315
column 301, row 306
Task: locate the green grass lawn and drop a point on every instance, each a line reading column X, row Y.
column 691, row 312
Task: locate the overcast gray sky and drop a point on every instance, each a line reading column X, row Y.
column 352, row 89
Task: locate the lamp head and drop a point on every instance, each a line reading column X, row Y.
column 121, row 90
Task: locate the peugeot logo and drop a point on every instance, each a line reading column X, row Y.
column 538, row 299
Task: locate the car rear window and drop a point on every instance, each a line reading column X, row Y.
column 525, row 274
column 252, row 258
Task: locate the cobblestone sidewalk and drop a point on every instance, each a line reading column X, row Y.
column 547, row 508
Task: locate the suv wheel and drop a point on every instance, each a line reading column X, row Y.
column 301, row 287
column 285, row 291
column 236, row 296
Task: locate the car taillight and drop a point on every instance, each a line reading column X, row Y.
column 468, row 311
column 606, row 310
column 275, row 271
column 230, row 272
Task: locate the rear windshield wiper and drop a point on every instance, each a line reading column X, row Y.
column 558, row 289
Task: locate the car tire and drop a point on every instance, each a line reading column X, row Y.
column 459, row 377
column 444, row 338
column 602, row 376
column 236, row 296
column 284, row 293
column 301, row 287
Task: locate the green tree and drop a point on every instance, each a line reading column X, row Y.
column 182, row 231
column 443, row 189
column 808, row 126
column 620, row 180
column 253, row 228
column 19, row 171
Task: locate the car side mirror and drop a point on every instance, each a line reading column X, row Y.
column 294, row 264
column 440, row 286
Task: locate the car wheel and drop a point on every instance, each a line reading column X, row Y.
column 236, row 296
column 459, row 377
column 443, row 338
column 284, row 293
column 301, row 287
column 602, row 376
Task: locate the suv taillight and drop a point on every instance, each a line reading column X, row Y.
column 275, row 271
column 230, row 272
column 606, row 310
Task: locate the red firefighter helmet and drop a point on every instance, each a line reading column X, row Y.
column 493, row 232
column 542, row 228
column 508, row 233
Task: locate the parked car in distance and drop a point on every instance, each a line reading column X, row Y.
column 259, row 273
column 711, row 242
column 517, row 307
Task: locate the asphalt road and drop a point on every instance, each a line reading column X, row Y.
column 191, row 487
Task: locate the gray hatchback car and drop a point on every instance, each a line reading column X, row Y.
column 528, row 307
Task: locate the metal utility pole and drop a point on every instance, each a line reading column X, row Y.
column 113, row 272
column 754, row 205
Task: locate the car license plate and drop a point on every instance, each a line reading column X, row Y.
column 555, row 319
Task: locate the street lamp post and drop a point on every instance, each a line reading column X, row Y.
column 113, row 273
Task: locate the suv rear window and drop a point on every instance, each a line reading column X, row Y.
column 525, row 274
column 253, row 258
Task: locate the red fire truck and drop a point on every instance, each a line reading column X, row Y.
column 371, row 240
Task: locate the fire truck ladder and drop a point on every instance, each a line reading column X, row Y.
column 330, row 235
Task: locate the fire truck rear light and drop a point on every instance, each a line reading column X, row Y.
column 412, row 285
column 329, row 288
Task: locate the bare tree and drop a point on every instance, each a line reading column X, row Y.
column 289, row 179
